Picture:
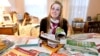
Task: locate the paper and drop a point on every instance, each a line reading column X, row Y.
column 33, row 41
column 60, row 31
column 50, row 37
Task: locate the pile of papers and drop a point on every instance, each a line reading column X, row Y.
column 82, row 46
column 17, row 51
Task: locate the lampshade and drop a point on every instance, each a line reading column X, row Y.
column 5, row 3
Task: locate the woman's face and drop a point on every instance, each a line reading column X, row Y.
column 55, row 11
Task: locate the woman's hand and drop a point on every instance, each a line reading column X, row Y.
column 42, row 32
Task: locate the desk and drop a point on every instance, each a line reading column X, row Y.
column 76, row 36
column 9, row 30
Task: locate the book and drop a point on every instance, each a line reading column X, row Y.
column 82, row 46
column 4, row 45
column 43, row 54
column 54, row 37
column 52, row 50
column 50, row 37
column 35, row 52
column 60, row 32
column 54, row 41
column 30, row 42
column 17, row 51
column 58, row 54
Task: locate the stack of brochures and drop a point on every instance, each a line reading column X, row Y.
column 82, row 46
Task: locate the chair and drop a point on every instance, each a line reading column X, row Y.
column 78, row 25
column 34, row 32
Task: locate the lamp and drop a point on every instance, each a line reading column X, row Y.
column 3, row 4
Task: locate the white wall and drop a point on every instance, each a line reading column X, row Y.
column 94, row 8
column 19, row 6
column 13, row 6
column 16, row 5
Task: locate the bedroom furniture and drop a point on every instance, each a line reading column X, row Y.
column 8, row 29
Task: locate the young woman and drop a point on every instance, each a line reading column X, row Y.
column 55, row 19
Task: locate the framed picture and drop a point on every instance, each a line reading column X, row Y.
column 7, row 18
column 98, row 17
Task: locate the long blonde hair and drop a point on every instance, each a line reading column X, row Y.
column 60, row 15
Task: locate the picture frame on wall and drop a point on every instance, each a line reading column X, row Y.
column 7, row 18
column 98, row 17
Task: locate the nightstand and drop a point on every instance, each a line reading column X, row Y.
column 8, row 29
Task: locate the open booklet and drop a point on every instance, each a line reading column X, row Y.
column 55, row 37
column 50, row 37
column 60, row 31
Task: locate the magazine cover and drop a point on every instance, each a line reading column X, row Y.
column 59, row 30
column 43, row 54
column 17, row 51
column 82, row 46
column 4, row 45
column 58, row 54
column 60, row 33
column 35, row 52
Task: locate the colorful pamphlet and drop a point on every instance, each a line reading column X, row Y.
column 59, row 30
column 43, row 54
column 82, row 46
column 58, row 54
column 35, row 52
column 18, row 52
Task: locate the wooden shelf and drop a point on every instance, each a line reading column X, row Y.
column 9, row 30
column 93, row 27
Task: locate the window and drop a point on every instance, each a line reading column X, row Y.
column 36, row 8
column 78, row 9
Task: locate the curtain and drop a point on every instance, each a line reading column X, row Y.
column 13, row 6
column 41, row 9
column 78, row 9
column 36, row 8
